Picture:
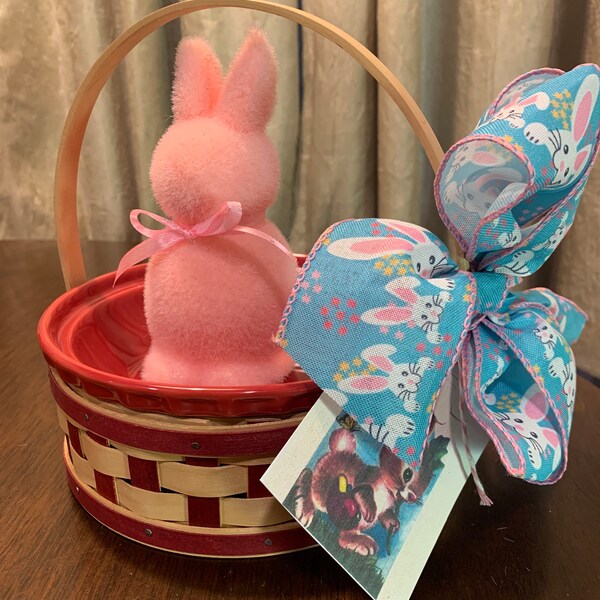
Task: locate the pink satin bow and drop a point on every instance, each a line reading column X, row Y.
column 225, row 220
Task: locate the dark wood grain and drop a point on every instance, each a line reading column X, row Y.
column 535, row 543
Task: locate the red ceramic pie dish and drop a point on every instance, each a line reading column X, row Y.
column 95, row 338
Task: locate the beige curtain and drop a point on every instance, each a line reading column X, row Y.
column 345, row 148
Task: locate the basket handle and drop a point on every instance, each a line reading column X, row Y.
column 67, row 163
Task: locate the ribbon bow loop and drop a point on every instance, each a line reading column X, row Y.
column 225, row 220
column 381, row 314
column 509, row 190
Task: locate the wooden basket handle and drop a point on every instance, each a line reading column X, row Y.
column 67, row 163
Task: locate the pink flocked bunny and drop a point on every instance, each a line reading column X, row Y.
column 213, row 303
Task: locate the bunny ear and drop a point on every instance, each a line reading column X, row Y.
column 582, row 157
column 485, row 158
column 363, row 384
column 584, row 105
column 387, row 315
column 378, row 356
column 551, row 436
column 248, row 97
column 402, row 287
column 535, row 407
column 520, row 87
column 198, row 79
column 366, row 248
column 540, row 101
column 414, row 231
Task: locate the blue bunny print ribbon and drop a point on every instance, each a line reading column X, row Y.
column 381, row 314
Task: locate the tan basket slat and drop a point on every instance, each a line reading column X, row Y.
column 152, row 505
column 246, row 461
column 109, row 461
column 205, row 482
column 147, row 454
column 252, row 512
column 177, row 526
column 62, row 420
column 84, row 470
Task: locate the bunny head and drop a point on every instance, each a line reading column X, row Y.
column 416, row 311
column 564, row 372
column 568, row 160
column 216, row 150
column 526, row 421
column 545, row 332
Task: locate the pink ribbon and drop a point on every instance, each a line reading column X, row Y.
column 225, row 220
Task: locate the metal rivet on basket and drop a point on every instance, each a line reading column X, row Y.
column 86, row 416
column 268, row 542
column 148, row 532
column 195, row 445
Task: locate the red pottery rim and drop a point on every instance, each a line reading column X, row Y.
column 273, row 397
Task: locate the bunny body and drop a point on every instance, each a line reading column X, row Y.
column 213, row 303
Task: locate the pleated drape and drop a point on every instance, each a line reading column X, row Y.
column 346, row 151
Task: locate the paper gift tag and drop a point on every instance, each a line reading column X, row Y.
column 369, row 510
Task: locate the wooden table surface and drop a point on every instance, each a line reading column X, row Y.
column 536, row 542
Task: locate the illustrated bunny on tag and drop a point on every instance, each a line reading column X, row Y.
column 526, row 422
column 213, row 303
column 567, row 160
column 402, row 379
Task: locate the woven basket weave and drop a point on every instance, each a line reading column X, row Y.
column 165, row 481
column 188, row 485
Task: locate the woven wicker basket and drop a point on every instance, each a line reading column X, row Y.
column 188, row 484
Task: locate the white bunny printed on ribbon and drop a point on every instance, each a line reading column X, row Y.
column 381, row 314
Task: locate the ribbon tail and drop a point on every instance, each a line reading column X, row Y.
column 484, row 499
column 523, row 400
column 147, row 248
column 266, row 237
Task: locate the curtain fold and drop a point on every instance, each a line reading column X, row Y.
column 345, row 148
column 337, row 157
